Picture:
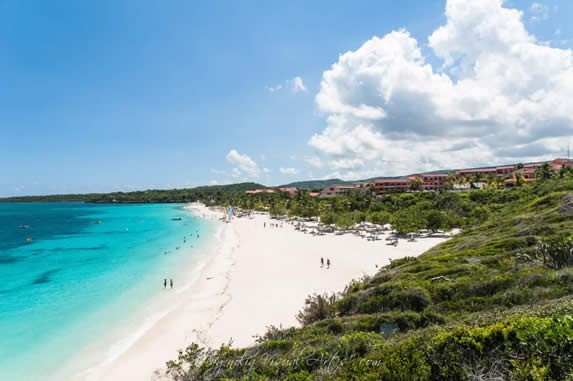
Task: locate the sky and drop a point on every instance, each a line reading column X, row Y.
column 121, row 95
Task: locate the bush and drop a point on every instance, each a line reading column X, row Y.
column 554, row 254
column 415, row 298
column 317, row 307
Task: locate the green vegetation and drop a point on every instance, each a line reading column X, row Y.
column 407, row 212
column 316, row 184
column 494, row 302
column 205, row 193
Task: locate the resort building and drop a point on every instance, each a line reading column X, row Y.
column 561, row 162
column 428, row 182
column 292, row 191
column 342, row 190
column 436, row 181
column 473, row 171
column 391, row 185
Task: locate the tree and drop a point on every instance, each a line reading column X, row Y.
column 519, row 179
column 408, row 220
column 435, row 220
column 477, row 177
column 277, row 210
column 328, row 218
column 492, row 179
column 545, row 172
column 416, row 184
column 565, row 171
column 380, row 218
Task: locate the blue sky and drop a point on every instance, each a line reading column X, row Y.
column 120, row 95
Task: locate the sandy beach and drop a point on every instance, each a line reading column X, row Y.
column 253, row 276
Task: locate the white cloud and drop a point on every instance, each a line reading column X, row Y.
column 346, row 164
column 288, row 171
column 538, row 11
column 266, row 170
column 213, row 182
column 244, row 165
column 500, row 95
column 295, row 85
column 272, row 89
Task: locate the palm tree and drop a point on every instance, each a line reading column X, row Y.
column 519, row 179
column 545, row 172
column 477, row 177
column 564, row 171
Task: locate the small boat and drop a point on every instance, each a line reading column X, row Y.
column 97, row 222
column 176, row 219
column 23, row 226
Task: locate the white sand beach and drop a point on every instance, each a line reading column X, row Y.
column 253, row 277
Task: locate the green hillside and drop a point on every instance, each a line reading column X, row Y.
column 147, row 196
column 495, row 302
column 315, row 184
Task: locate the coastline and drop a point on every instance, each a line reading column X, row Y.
column 252, row 276
column 164, row 328
column 91, row 360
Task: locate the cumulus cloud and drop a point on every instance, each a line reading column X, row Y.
column 496, row 87
column 295, row 85
column 288, row 171
column 244, row 166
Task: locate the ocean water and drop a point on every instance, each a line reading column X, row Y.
column 77, row 271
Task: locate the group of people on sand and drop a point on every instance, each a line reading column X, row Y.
column 165, row 283
column 322, row 262
column 272, row 225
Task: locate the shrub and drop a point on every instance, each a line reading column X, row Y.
column 317, row 307
column 554, row 254
column 414, row 298
column 400, row 261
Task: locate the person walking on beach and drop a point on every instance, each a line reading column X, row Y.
column 164, row 282
column 171, row 282
column 328, row 263
column 321, row 262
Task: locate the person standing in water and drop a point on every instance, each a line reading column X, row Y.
column 171, row 282
column 328, row 263
column 164, row 282
column 321, row 262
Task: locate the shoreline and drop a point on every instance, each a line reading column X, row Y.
column 252, row 276
column 90, row 361
column 194, row 301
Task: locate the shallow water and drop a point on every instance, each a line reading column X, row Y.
column 87, row 268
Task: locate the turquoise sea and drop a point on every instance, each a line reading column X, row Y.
column 70, row 273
